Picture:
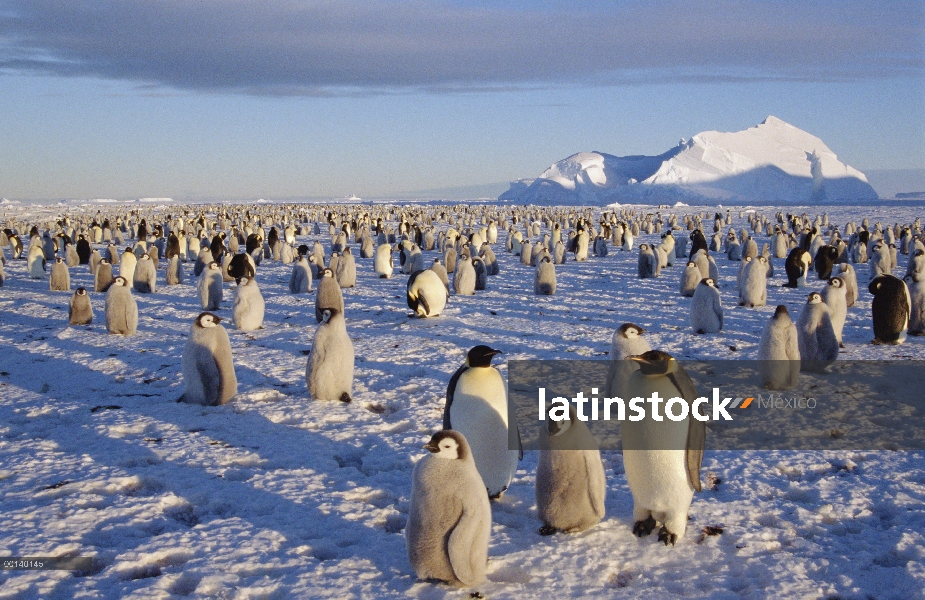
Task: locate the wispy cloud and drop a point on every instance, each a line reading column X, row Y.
column 321, row 48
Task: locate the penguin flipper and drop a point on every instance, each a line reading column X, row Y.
column 467, row 552
column 450, row 391
column 696, row 440
column 208, row 372
column 426, row 306
column 596, row 483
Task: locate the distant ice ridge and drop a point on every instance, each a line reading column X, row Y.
column 773, row 162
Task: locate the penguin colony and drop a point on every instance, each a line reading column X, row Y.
column 469, row 462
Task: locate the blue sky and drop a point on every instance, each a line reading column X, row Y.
column 126, row 98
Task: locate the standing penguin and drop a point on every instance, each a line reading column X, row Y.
column 753, row 289
column 300, row 281
column 174, row 274
column 796, row 267
column 346, row 273
column 570, row 483
column 210, row 287
column 627, row 341
column 60, row 280
column 917, row 305
column 847, row 274
column 440, row 270
column 891, row 309
column 383, row 264
column 127, row 265
column 102, row 278
column 662, row 459
column 449, row 517
column 779, row 352
column 329, row 370
column 328, row 296
column 835, row 297
column 35, row 261
column 145, row 281
column 208, row 369
column 706, row 308
column 544, row 281
column 647, row 265
column 80, row 311
column 690, row 277
column 477, row 407
column 464, row 278
column 817, row 342
column 121, row 308
column 248, row 308
column 426, row 294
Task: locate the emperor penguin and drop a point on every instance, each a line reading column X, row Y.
column 60, row 280
column 690, row 277
column 847, row 274
column 917, row 305
column 627, row 341
column 328, row 296
column 880, row 261
column 779, row 352
column 449, row 516
column 329, row 370
column 248, row 307
column 203, row 259
column 544, row 281
column 174, row 273
column 570, row 482
column 706, row 308
column 210, row 287
column 384, row 265
column 300, row 281
column 835, row 296
column 477, row 407
column 35, row 261
column 426, row 293
column 796, row 267
column 648, row 262
column 80, row 311
column 207, row 366
column 242, row 265
column 464, row 278
column 891, row 308
column 102, row 277
column 127, row 264
column 753, row 289
column 440, row 270
column 662, row 459
column 121, row 308
column 145, row 279
column 825, row 261
column 346, row 273
column 817, row 342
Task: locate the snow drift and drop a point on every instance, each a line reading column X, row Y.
column 773, row 162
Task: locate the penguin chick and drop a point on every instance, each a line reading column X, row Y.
column 60, row 280
column 544, row 280
column 329, row 370
column 627, row 341
column 706, row 308
column 80, row 311
column 248, row 308
column 817, row 342
column 121, row 308
column 210, row 287
column 329, row 295
column 208, row 368
column 779, row 352
column 449, row 516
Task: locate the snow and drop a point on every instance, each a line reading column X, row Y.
column 773, row 162
column 274, row 495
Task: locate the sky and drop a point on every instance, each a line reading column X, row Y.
column 283, row 99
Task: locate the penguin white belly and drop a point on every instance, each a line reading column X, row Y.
column 479, row 412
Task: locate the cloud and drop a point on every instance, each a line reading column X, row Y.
column 320, row 48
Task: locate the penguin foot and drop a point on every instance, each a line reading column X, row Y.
column 547, row 530
column 666, row 536
column 841, row 344
column 345, row 397
column 876, row 342
column 700, row 332
column 497, row 496
column 644, row 528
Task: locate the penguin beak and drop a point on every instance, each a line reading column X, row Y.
column 493, row 353
column 639, row 359
column 432, row 447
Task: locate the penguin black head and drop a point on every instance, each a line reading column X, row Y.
column 207, row 319
column 80, row 291
column 814, row 298
column 837, row 282
column 630, row 330
column 708, row 281
column 327, row 273
column 328, row 313
column 59, row 260
column 448, row 444
column 480, row 356
column 654, row 362
column 120, row 281
column 780, row 311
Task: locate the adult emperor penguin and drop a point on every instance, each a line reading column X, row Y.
column 477, row 407
column 210, row 287
column 35, row 261
column 121, row 308
column 328, row 295
column 208, row 368
column 779, row 352
column 544, row 280
column 384, row 264
column 248, row 307
column 817, row 342
column 145, row 280
column 662, row 459
column 706, row 308
column 449, row 516
column 891, row 308
column 329, row 370
column 835, row 297
column 797, row 266
column 570, row 483
column 426, row 294
column 60, row 280
column 80, row 311
column 753, row 288
column 300, row 281
column 627, row 341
